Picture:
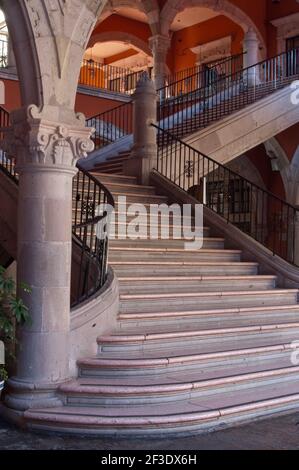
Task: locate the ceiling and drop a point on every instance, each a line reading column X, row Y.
column 192, row 16
column 188, row 17
column 107, row 49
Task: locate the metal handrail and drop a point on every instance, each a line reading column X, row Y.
column 198, row 109
column 112, row 125
column 256, row 211
column 200, row 76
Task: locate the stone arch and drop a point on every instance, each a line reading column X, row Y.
column 122, row 37
column 224, row 7
column 150, row 8
column 49, row 40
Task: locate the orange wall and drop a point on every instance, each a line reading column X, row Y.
column 122, row 55
column 126, row 25
column 12, row 95
column 181, row 57
column 282, row 8
column 86, row 104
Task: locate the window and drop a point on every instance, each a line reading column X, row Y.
column 293, row 55
column 292, row 43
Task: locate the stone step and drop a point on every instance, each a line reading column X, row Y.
column 172, row 254
column 145, row 218
column 138, row 196
column 221, row 319
column 160, row 229
column 167, row 284
column 113, row 168
column 148, row 244
column 116, row 179
column 206, row 300
column 118, row 158
column 173, row 268
column 126, row 189
column 205, row 355
column 191, row 415
column 205, row 335
column 156, row 389
column 193, row 318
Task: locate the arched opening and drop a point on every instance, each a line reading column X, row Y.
column 205, row 34
column 114, row 61
column 118, row 50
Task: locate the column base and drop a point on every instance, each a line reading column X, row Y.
column 21, row 396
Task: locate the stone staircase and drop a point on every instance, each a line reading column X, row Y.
column 113, row 165
column 203, row 341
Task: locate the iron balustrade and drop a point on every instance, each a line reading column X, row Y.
column 90, row 229
column 255, row 211
column 112, row 125
column 90, row 235
column 198, row 109
column 108, row 77
column 190, row 79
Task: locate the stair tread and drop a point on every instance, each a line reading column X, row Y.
column 273, row 291
column 202, row 313
column 182, row 263
column 191, row 352
column 202, row 333
column 146, row 414
column 162, row 331
column 172, row 250
column 187, row 277
column 183, row 377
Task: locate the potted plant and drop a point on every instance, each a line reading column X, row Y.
column 13, row 312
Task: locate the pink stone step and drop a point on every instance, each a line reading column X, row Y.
column 171, row 417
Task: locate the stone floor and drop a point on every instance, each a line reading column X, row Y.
column 281, row 433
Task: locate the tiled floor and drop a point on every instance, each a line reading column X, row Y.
column 276, row 433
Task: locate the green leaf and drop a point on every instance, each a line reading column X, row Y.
column 19, row 310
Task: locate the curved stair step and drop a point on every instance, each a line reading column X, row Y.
column 179, row 416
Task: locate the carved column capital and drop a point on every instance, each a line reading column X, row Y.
column 37, row 142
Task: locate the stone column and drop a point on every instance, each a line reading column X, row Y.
column 144, row 152
column 46, row 154
column 251, row 56
column 159, row 45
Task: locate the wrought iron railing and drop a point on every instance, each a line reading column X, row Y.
column 108, row 77
column 255, row 211
column 198, row 109
column 90, row 226
column 112, row 125
column 92, row 204
column 199, row 76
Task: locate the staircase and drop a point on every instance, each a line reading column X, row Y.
column 203, row 341
column 222, row 117
column 113, row 165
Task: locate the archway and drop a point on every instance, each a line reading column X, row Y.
column 150, row 10
column 223, row 7
column 53, row 38
column 123, row 37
